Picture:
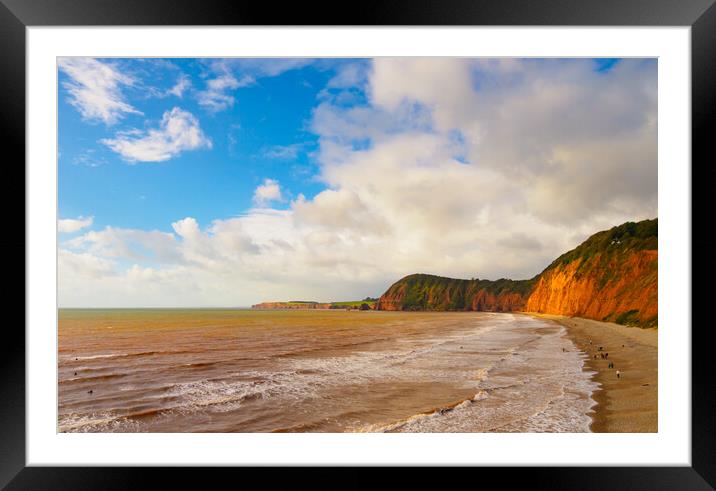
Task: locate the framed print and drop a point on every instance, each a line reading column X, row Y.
column 425, row 237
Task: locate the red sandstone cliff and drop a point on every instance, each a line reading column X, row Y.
column 623, row 289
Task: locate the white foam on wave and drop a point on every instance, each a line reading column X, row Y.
column 190, row 397
column 72, row 358
column 401, row 364
column 554, row 397
column 106, row 421
column 416, row 419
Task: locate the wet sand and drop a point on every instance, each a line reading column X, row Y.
column 627, row 404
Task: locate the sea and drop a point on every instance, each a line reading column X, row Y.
column 240, row 370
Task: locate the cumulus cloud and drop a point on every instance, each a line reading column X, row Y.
column 575, row 143
column 178, row 131
column 464, row 168
column 338, row 210
column 70, row 225
column 267, row 192
column 95, row 89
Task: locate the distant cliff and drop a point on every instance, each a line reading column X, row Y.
column 366, row 304
column 611, row 276
column 291, row 305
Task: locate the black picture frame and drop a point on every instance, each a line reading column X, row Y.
column 700, row 15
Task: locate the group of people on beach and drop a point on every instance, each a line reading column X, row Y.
column 605, row 356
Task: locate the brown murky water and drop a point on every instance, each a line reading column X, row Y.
column 330, row 371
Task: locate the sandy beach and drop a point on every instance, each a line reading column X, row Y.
column 628, row 404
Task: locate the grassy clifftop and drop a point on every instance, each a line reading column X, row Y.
column 619, row 240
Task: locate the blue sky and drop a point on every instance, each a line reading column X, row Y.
column 265, row 134
column 183, row 179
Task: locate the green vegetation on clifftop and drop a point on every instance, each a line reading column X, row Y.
column 629, row 236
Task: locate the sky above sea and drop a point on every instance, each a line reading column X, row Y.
column 226, row 182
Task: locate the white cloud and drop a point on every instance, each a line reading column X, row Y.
column 95, row 89
column 234, row 73
column 78, row 266
column 349, row 76
column 183, row 83
column 283, row 152
column 267, row 192
column 263, row 67
column 89, row 158
column 70, row 225
column 178, row 131
column 215, row 97
column 130, row 244
column 186, row 228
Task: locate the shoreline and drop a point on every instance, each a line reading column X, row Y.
column 623, row 405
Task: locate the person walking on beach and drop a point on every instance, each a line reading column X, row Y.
column 618, row 374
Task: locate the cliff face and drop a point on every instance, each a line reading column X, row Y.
column 354, row 305
column 428, row 292
column 611, row 276
column 291, row 305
